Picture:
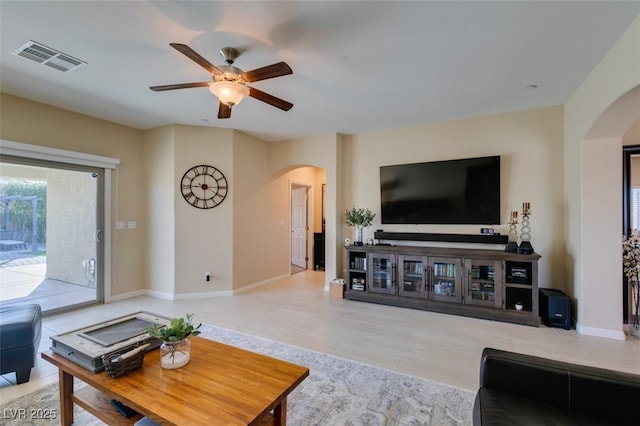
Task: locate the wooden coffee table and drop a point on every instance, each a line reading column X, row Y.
column 221, row 384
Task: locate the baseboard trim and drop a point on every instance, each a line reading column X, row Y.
column 259, row 284
column 601, row 332
column 123, row 296
column 159, row 294
column 189, row 296
column 199, row 295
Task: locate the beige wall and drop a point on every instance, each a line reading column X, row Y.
column 38, row 124
column 599, row 201
column 261, row 218
column 530, row 146
column 159, row 195
column 184, row 242
column 204, row 238
column 599, row 304
column 632, row 135
column 318, row 201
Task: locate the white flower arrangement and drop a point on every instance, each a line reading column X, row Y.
column 631, row 267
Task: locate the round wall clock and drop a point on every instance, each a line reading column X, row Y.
column 204, row 186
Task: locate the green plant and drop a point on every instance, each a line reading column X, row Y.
column 177, row 330
column 358, row 217
column 20, row 215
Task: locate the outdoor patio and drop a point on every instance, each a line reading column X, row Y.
column 23, row 280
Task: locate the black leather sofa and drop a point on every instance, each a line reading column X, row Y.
column 20, row 329
column 518, row 389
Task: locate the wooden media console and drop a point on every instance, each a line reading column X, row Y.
column 489, row 284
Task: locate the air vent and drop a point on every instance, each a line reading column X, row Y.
column 47, row 56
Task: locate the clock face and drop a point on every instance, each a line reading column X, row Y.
column 204, row 186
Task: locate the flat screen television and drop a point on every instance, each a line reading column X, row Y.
column 463, row 191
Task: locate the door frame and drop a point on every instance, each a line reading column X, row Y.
column 627, row 152
column 293, row 184
column 74, row 158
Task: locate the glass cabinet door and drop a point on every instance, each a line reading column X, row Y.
column 357, row 272
column 446, row 279
column 412, row 280
column 382, row 271
column 483, row 283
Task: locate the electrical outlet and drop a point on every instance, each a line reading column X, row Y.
column 207, row 277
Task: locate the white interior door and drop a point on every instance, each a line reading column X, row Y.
column 299, row 227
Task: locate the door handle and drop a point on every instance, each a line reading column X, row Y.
column 393, row 274
column 98, row 236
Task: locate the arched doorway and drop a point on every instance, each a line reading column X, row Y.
column 306, row 215
column 615, row 131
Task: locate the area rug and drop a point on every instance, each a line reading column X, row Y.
column 337, row 392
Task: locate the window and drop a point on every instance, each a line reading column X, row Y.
column 634, row 220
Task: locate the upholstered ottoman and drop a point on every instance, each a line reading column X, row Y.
column 20, row 329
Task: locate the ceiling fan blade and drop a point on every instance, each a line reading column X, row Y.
column 179, row 86
column 270, row 99
column 224, row 111
column 270, row 71
column 195, row 57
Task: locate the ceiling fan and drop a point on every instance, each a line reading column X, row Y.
column 229, row 82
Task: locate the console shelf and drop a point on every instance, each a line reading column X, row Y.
column 97, row 403
column 470, row 282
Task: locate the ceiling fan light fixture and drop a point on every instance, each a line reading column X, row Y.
column 229, row 82
column 228, row 92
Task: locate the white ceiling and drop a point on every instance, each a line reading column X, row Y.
column 358, row 65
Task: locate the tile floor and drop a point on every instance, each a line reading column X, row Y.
column 297, row 311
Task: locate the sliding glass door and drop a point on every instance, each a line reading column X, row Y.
column 51, row 245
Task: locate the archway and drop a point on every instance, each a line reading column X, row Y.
column 602, row 294
column 324, row 152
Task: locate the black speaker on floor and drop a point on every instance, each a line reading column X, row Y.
column 555, row 308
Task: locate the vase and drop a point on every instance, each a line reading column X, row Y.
column 357, row 236
column 175, row 354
